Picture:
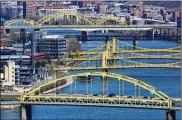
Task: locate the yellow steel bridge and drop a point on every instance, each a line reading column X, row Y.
column 152, row 98
column 143, row 95
column 72, row 18
column 118, row 55
column 157, row 100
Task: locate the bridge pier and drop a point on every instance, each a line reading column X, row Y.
column 135, row 43
column 107, row 46
column 170, row 115
column 84, row 35
column 26, row 112
column 149, row 34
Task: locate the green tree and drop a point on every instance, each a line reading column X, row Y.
column 43, row 63
column 37, row 64
column 48, row 58
column 77, row 54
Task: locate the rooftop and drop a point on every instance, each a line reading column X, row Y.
column 10, row 61
column 14, row 56
column 53, row 36
column 17, row 45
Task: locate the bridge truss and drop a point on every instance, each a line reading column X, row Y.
column 157, row 99
column 119, row 55
column 68, row 18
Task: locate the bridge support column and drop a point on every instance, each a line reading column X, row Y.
column 135, row 43
column 84, row 35
column 104, row 59
column 149, row 34
column 107, row 43
column 160, row 33
column 26, row 112
column 170, row 115
column 113, row 45
column 169, row 33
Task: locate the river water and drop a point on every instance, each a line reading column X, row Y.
column 165, row 79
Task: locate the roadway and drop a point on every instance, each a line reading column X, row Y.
column 99, row 101
column 95, row 27
column 105, row 105
column 90, row 105
column 116, row 67
column 119, row 58
column 129, row 51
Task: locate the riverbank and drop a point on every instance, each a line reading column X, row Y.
column 68, row 82
column 8, row 107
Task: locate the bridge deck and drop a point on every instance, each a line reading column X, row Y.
column 97, row 101
column 117, row 67
column 91, row 105
column 104, row 105
column 119, row 58
column 95, row 27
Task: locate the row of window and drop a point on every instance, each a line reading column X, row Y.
column 51, row 46
column 58, row 45
column 52, row 41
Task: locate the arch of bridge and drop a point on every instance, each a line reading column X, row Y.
column 105, row 74
column 50, row 17
column 26, row 21
column 47, row 18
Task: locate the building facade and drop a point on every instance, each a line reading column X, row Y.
column 10, row 10
column 53, row 46
column 2, row 44
column 23, row 70
column 9, row 74
column 51, row 10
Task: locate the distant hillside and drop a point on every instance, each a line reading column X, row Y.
column 167, row 4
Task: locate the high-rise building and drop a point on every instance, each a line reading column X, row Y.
column 23, row 4
column 9, row 74
column 24, row 9
column 53, row 46
column 31, row 8
column 23, row 68
column 10, row 12
column 78, row 3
